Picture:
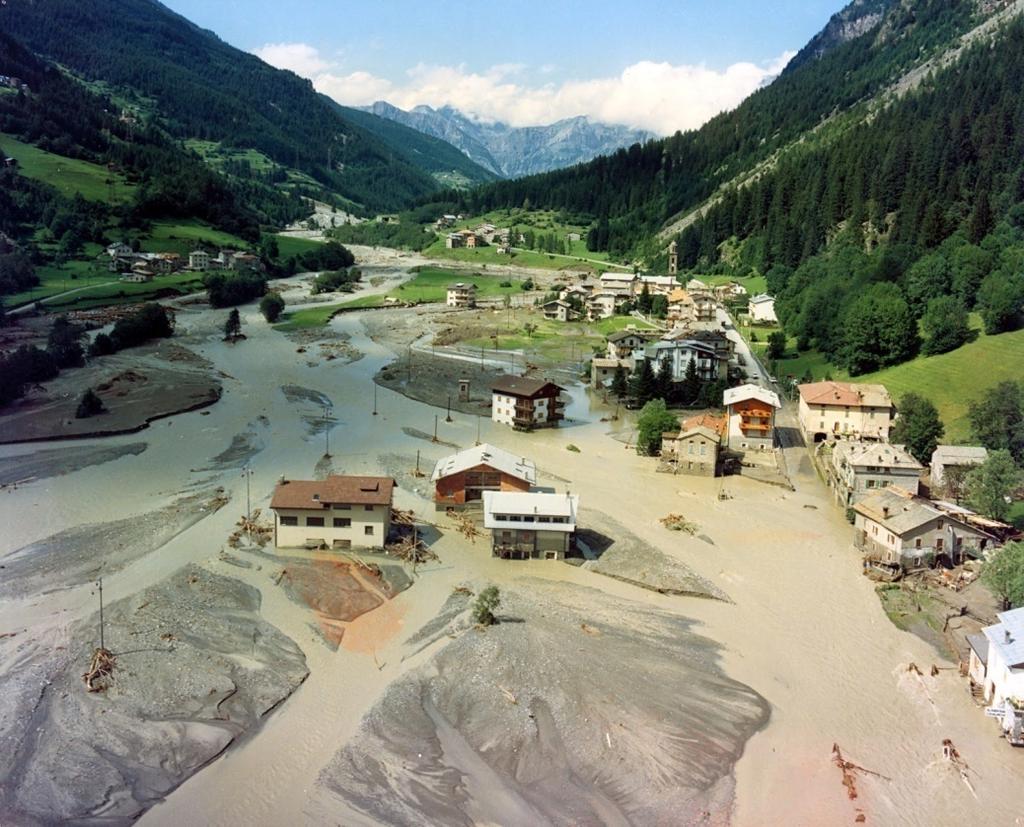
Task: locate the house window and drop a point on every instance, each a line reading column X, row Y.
column 941, row 524
column 342, row 522
column 871, row 484
column 917, row 543
column 691, row 448
column 703, row 449
column 939, row 544
column 367, row 508
column 315, row 521
column 342, row 507
column 289, row 520
column 368, row 530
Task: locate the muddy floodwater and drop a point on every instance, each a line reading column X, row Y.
column 667, row 678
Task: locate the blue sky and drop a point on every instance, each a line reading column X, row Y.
column 527, row 62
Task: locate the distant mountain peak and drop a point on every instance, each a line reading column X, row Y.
column 512, row 151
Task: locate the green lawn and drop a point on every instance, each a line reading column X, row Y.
column 68, row 175
column 288, row 246
column 128, row 292
column 950, row 380
column 429, row 284
column 182, row 237
column 754, row 284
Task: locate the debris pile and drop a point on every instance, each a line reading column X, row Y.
column 402, row 518
column 677, row 522
column 410, row 550
column 465, row 526
column 100, row 674
column 254, row 531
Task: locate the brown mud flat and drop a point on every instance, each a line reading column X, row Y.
column 137, row 387
column 338, row 590
column 195, row 669
column 560, row 714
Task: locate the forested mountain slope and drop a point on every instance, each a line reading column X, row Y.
column 202, row 88
column 878, row 183
column 444, row 162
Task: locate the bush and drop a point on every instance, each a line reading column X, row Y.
column 149, row 322
column 335, row 280
column 272, row 306
column 486, row 602
column 89, row 405
column 102, row 345
column 227, row 290
column 527, row 284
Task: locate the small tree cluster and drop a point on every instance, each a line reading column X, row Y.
column 485, row 605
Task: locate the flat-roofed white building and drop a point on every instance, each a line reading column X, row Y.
column 527, row 525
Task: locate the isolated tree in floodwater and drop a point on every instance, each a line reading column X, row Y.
column 233, row 326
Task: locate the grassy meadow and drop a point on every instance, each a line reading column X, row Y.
column 68, row 175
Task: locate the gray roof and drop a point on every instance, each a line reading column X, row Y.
column 959, row 455
column 897, row 510
column 1007, row 637
column 876, row 454
column 486, row 454
column 979, row 643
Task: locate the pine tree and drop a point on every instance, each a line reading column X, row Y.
column 233, row 325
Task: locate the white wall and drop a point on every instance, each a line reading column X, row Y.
column 378, row 518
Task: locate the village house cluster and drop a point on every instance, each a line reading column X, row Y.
column 136, row 266
column 485, row 234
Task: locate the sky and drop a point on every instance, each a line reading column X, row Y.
column 652, row 64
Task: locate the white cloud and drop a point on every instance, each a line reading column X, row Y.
column 660, row 97
column 301, row 58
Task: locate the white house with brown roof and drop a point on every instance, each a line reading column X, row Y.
column 859, row 468
column 526, row 403
column 830, row 410
column 338, row 512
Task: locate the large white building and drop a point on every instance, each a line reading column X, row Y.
column 524, row 525
column 845, row 409
column 997, row 659
column 761, row 308
column 338, row 512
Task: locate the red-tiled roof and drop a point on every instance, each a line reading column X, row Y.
column 334, row 489
column 712, row 422
column 846, row 393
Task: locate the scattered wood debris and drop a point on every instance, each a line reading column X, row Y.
column 851, row 771
column 677, row 522
column 255, row 532
column 411, row 550
column 400, row 517
column 508, row 694
column 462, row 590
column 465, row 526
column 100, row 674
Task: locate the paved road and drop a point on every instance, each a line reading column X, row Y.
column 755, row 370
column 24, row 308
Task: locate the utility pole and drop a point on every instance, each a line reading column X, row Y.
column 435, row 429
column 481, row 359
column 247, row 472
column 374, row 398
column 478, row 429
column 103, row 642
column 417, row 462
column 448, row 418
column 327, row 431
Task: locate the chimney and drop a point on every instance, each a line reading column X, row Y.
column 885, row 510
column 1008, row 638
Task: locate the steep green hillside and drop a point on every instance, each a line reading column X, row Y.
column 205, row 89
